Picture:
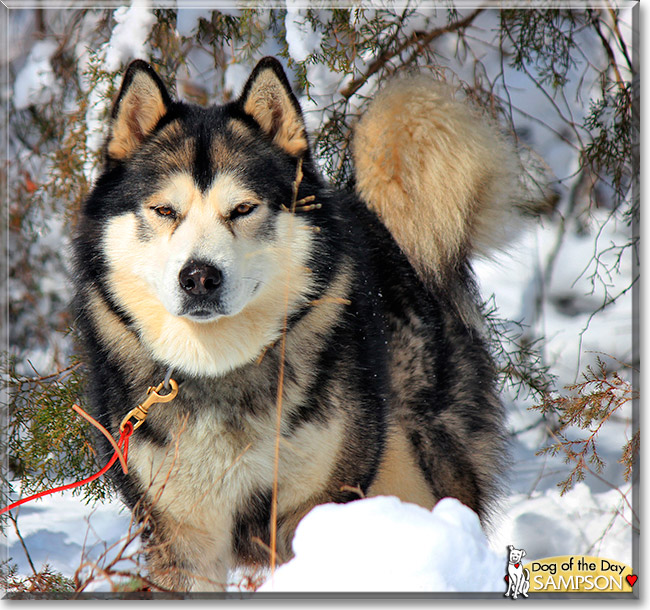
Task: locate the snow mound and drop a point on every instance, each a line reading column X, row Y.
column 383, row 544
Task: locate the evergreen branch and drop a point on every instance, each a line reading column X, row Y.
column 595, row 400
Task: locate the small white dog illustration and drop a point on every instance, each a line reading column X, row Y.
column 518, row 577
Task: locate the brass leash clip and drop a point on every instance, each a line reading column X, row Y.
column 153, row 397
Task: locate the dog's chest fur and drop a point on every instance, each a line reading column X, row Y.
column 220, row 442
column 208, row 465
column 208, row 470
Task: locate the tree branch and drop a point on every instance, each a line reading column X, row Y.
column 421, row 38
column 22, row 542
column 610, row 53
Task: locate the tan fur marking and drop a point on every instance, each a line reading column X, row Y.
column 120, row 341
column 442, row 178
column 226, row 192
column 181, row 156
column 307, row 460
column 269, row 104
column 399, row 475
column 225, row 156
column 239, row 128
column 140, row 109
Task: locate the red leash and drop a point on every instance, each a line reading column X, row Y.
column 139, row 413
column 121, row 452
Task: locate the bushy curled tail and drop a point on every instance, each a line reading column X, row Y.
column 441, row 176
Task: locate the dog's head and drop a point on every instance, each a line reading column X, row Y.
column 198, row 244
column 515, row 555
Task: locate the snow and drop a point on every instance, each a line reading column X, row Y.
column 324, row 89
column 61, row 531
column 302, row 39
column 571, row 295
column 128, row 40
column 325, row 84
column 187, row 20
column 36, row 83
column 235, row 78
column 550, row 525
column 384, row 545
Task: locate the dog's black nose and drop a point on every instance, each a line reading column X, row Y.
column 199, row 279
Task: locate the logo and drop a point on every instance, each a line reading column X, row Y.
column 518, row 577
column 566, row 574
column 581, row 574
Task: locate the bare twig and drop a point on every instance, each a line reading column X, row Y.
column 22, row 542
column 278, row 424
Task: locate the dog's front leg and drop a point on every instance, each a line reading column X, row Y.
column 510, row 585
column 185, row 558
column 515, row 586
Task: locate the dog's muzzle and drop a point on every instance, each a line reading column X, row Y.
column 201, row 283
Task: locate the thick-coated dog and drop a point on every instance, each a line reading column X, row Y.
column 211, row 249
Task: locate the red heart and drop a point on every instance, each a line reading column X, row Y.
column 516, row 565
column 631, row 579
column 506, row 577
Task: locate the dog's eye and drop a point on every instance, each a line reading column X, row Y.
column 242, row 210
column 165, row 211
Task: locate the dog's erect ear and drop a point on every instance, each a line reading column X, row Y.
column 141, row 103
column 510, row 547
column 267, row 97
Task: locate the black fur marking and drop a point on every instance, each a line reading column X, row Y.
column 251, row 530
column 203, row 170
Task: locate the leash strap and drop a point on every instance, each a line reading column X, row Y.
column 121, row 452
column 121, row 448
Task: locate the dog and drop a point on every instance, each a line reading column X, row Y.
column 518, row 577
column 327, row 343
